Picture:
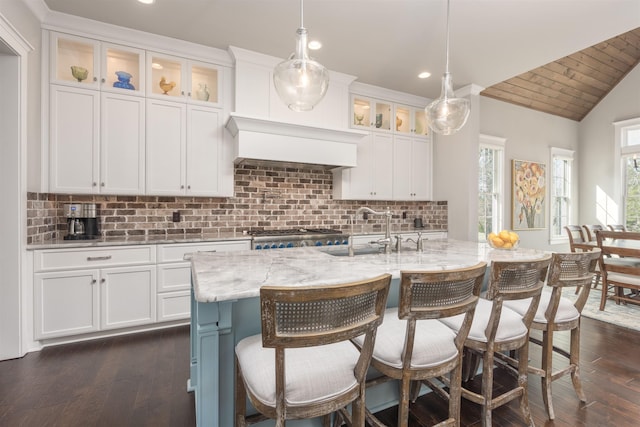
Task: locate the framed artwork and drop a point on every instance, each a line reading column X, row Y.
column 528, row 205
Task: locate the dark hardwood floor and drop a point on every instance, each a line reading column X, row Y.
column 140, row 380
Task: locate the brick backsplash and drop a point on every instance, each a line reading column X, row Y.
column 266, row 197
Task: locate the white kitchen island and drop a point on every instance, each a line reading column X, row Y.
column 225, row 305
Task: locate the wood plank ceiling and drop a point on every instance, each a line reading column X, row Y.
column 571, row 86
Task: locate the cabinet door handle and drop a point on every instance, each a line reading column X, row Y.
column 103, row 280
column 182, row 187
column 188, row 187
column 102, row 184
column 94, row 184
column 94, row 281
column 95, row 79
column 98, row 258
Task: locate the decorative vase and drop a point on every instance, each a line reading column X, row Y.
column 79, row 73
column 202, row 93
column 398, row 123
column 123, row 80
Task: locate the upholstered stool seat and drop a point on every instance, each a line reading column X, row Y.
column 433, row 345
column 307, row 380
column 510, row 326
column 566, row 310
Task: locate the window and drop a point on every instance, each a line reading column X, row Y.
column 628, row 137
column 560, row 192
column 490, row 186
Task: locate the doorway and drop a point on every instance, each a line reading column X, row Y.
column 13, row 72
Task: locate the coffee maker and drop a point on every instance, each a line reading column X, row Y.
column 82, row 221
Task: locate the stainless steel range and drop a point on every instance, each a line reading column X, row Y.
column 298, row 237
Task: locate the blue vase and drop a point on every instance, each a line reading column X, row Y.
column 123, row 81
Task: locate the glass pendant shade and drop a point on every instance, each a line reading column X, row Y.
column 447, row 114
column 300, row 81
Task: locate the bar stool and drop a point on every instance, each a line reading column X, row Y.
column 412, row 346
column 497, row 330
column 303, row 364
column 557, row 313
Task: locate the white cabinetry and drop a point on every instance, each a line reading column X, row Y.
column 184, row 149
column 372, row 178
column 411, row 168
column 174, row 275
column 398, row 168
column 180, row 79
column 98, row 121
column 96, row 130
column 92, row 64
column 84, row 290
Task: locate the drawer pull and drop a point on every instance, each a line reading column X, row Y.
column 207, row 252
column 98, row 258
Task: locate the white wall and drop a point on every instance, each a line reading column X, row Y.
column 600, row 185
column 530, row 135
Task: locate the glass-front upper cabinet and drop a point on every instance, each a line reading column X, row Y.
column 88, row 63
column 123, row 68
column 411, row 120
column 180, row 79
column 370, row 113
column 75, row 61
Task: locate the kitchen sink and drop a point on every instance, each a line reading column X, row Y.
column 344, row 251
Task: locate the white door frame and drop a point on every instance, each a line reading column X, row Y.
column 13, row 188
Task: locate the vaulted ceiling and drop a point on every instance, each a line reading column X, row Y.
column 571, row 86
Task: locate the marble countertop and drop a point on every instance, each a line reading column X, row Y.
column 138, row 240
column 226, row 276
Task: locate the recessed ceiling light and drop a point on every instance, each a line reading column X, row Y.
column 314, row 45
column 424, row 75
column 147, row 1
column 156, row 66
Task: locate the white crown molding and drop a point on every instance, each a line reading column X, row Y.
column 472, row 89
column 365, row 89
column 88, row 28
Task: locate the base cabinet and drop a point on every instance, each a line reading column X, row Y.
column 174, row 275
column 83, row 290
column 66, row 303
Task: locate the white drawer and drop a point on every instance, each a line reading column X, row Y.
column 76, row 258
column 174, row 276
column 174, row 305
column 177, row 251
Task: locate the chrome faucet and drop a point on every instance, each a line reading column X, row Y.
column 386, row 241
column 418, row 242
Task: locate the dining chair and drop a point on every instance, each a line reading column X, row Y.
column 617, row 227
column 576, row 236
column 413, row 347
column 558, row 313
column 620, row 266
column 497, row 330
column 591, row 231
column 578, row 243
column 303, row 365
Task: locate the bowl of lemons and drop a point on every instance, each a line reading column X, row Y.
column 507, row 240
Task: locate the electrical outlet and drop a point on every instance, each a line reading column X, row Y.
column 176, row 216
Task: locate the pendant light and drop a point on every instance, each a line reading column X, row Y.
column 447, row 114
column 300, row 81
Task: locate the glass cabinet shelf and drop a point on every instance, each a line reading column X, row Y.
column 123, row 69
column 370, row 113
column 166, row 77
column 75, row 60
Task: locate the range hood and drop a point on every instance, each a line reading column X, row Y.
column 267, row 140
